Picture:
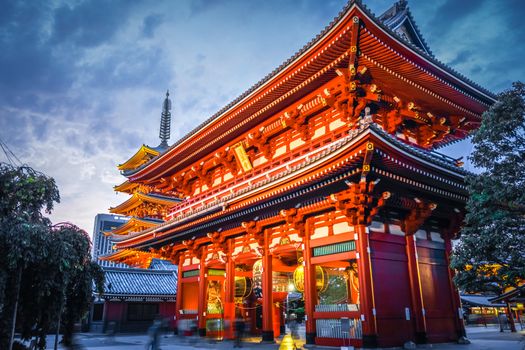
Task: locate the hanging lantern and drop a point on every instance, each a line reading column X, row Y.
column 257, row 278
column 321, row 280
column 243, row 286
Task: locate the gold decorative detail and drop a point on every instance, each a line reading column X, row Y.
column 284, row 241
column 242, row 157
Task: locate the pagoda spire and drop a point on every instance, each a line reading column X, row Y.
column 165, row 121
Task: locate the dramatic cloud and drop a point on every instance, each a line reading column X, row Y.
column 82, row 82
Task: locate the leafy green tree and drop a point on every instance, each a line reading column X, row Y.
column 46, row 273
column 491, row 253
column 78, row 273
column 25, row 195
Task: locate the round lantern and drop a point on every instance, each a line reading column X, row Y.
column 321, row 280
column 257, row 278
column 243, row 286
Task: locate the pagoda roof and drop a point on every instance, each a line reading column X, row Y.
column 161, row 264
column 399, row 19
column 143, row 155
column 126, row 187
column 435, row 173
column 142, row 284
column 138, row 198
column 134, row 223
column 417, row 71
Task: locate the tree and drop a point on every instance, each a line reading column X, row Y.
column 46, row 273
column 24, row 195
column 490, row 255
column 78, row 274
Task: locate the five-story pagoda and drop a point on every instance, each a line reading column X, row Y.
column 321, row 179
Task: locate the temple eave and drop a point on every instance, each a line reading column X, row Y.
column 343, row 159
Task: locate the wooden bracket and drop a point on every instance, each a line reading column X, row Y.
column 204, row 175
column 254, row 229
column 295, row 219
column 358, row 202
column 454, row 226
column 417, row 216
column 297, row 120
column 218, row 241
column 260, row 140
column 180, row 183
column 193, row 248
column 227, row 159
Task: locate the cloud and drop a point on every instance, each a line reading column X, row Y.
column 150, row 24
column 88, row 23
column 81, row 83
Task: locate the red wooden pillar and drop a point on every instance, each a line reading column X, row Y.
column 310, row 291
column 510, row 317
column 202, row 306
column 178, row 296
column 416, row 294
column 229, row 295
column 267, row 331
column 456, row 301
column 366, row 288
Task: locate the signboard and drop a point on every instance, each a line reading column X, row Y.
column 242, row 157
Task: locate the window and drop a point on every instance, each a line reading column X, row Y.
column 142, row 312
column 98, row 312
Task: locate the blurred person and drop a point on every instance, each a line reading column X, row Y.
column 154, row 334
column 239, row 330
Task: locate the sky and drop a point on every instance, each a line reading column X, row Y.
column 82, row 82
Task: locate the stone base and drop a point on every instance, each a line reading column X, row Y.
column 463, row 340
column 409, row 345
column 421, row 338
column 370, row 341
column 267, row 336
column 310, row 338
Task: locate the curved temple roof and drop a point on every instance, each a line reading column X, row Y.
column 412, row 49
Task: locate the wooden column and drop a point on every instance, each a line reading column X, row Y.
column 416, row 294
column 178, row 296
column 510, row 317
column 310, row 292
column 203, row 302
column 267, row 332
column 359, row 205
column 456, row 301
column 366, row 288
column 229, row 295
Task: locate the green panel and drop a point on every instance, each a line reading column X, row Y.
column 190, row 273
column 336, row 248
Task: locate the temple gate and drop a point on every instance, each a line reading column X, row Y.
column 322, row 183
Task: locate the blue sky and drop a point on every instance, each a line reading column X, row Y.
column 82, row 82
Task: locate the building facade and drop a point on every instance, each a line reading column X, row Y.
column 322, row 179
column 102, row 245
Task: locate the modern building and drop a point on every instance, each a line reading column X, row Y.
column 101, row 243
column 323, row 179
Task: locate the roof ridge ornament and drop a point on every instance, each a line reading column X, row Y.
column 165, row 122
